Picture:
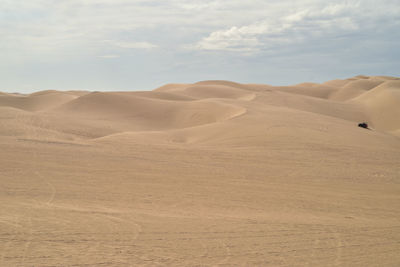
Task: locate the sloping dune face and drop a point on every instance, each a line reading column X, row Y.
column 216, row 91
column 37, row 101
column 214, row 173
column 147, row 113
column 383, row 105
column 355, row 88
column 211, row 89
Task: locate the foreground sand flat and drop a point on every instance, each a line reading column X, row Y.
column 213, row 173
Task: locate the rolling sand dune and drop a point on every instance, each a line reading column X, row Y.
column 355, row 88
column 214, row 173
column 382, row 105
column 314, row 90
column 201, row 91
column 171, row 86
column 337, row 83
column 143, row 113
column 164, row 95
column 36, row 102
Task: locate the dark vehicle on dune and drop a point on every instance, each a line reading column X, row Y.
column 363, row 125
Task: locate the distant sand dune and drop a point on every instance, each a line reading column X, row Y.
column 37, row 101
column 355, row 88
column 222, row 83
column 164, row 95
column 383, row 105
column 202, row 91
column 178, row 106
column 337, row 83
column 314, row 90
column 171, row 86
column 144, row 113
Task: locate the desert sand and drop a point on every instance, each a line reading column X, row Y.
column 214, row 173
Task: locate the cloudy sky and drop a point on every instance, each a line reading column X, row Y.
column 142, row 44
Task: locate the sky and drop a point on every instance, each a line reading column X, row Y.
column 143, row 44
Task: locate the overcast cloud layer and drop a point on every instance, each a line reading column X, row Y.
column 142, row 44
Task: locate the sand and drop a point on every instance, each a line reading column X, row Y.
column 214, row 173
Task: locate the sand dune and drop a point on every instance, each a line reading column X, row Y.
column 211, row 89
column 382, row 105
column 214, row 173
column 258, row 87
column 171, row 86
column 164, row 95
column 37, row 101
column 337, row 83
column 315, row 90
column 201, row 91
column 71, row 92
column 355, row 88
column 149, row 113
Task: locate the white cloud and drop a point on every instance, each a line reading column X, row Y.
column 293, row 28
column 234, row 39
column 131, row 45
column 109, row 56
